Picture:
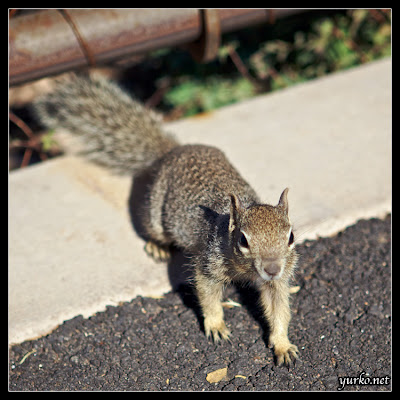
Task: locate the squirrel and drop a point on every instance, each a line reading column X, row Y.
column 195, row 201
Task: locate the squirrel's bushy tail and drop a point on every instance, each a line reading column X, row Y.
column 117, row 131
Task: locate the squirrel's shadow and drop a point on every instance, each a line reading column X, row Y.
column 179, row 272
column 249, row 299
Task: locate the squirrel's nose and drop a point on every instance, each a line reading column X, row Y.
column 272, row 269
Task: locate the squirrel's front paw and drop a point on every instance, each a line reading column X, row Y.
column 285, row 353
column 216, row 328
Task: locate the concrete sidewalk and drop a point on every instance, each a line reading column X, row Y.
column 73, row 249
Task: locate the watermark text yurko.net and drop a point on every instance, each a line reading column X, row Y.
column 362, row 380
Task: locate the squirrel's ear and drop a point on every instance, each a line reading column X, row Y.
column 283, row 201
column 236, row 206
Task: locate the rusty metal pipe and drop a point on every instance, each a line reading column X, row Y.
column 47, row 42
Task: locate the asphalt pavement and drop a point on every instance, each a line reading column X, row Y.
column 341, row 324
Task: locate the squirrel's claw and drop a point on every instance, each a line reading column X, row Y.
column 286, row 356
column 217, row 331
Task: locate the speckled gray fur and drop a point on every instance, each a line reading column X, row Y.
column 191, row 198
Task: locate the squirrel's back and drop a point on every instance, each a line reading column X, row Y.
column 190, row 187
column 118, row 131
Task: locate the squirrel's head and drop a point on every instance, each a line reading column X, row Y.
column 261, row 238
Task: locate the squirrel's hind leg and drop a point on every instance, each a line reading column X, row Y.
column 157, row 252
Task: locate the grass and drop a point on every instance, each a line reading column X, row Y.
column 270, row 57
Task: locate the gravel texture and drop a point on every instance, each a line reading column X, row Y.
column 341, row 323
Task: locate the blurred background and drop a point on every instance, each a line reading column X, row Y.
column 180, row 62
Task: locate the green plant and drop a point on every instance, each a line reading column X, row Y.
column 193, row 96
column 326, row 44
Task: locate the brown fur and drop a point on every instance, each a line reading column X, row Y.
column 194, row 199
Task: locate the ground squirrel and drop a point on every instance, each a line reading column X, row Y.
column 194, row 200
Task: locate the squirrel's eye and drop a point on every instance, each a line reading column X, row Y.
column 243, row 241
column 291, row 239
